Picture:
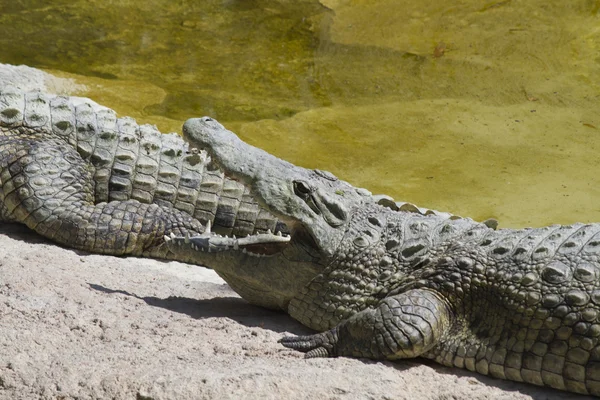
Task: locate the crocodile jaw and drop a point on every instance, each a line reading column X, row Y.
column 266, row 269
column 311, row 200
column 258, row 244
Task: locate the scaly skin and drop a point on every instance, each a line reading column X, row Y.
column 78, row 175
column 519, row 304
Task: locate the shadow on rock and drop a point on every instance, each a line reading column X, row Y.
column 230, row 307
column 21, row 232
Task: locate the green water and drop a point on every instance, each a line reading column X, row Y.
column 481, row 109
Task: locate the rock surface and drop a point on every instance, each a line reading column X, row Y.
column 27, row 78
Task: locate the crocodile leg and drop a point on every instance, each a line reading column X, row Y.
column 405, row 325
column 50, row 188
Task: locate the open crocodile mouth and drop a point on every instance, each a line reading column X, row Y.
column 260, row 244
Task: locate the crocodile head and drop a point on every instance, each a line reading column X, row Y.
column 314, row 201
column 315, row 205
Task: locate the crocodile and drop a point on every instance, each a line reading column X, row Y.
column 75, row 173
column 388, row 284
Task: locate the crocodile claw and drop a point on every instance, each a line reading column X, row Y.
column 317, row 345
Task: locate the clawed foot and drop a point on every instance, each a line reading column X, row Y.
column 318, row 345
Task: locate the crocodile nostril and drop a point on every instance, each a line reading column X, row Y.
column 206, row 119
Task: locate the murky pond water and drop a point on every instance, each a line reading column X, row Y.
column 481, row 109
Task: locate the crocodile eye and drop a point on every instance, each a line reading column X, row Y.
column 301, row 188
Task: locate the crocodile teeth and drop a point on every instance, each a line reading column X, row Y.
column 208, row 226
column 279, row 233
column 187, row 237
column 172, row 235
column 167, row 238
